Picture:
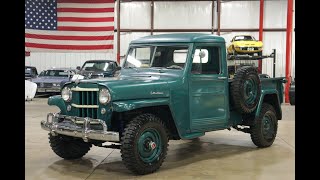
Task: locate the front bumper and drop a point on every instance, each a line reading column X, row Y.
column 53, row 89
column 244, row 49
column 78, row 127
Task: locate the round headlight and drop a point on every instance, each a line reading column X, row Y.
column 104, row 96
column 66, row 94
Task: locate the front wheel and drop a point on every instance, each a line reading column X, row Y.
column 144, row 144
column 68, row 147
column 265, row 126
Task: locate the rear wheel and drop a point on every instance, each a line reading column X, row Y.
column 265, row 127
column 144, row 144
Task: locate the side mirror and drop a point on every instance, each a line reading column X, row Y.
column 202, row 54
column 118, row 68
column 78, row 68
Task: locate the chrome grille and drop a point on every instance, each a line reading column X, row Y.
column 86, row 102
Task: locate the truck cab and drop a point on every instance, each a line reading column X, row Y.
column 171, row 86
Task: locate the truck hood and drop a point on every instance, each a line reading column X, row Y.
column 139, row 84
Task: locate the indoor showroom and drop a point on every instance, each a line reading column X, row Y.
column 159, row 89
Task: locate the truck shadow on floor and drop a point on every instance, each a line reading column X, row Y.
column 179, row 155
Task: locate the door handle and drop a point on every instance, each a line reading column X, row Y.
column 222, row 77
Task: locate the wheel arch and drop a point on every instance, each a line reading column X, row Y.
column 271, row 97
column 159, row 107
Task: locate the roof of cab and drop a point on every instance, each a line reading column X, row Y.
column 179, row 38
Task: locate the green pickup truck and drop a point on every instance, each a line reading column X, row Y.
column 171, row 87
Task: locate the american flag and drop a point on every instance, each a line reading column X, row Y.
column 69, row 25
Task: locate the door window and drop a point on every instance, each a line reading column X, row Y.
column 206, row 60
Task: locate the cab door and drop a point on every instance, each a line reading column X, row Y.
column 208, row 88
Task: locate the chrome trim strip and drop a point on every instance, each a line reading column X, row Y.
column 84, row 106
column 70, row 128
column 84, row 89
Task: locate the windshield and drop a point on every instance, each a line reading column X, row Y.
column 56, row 73
column 27, row 71
column 244, row 38
column 170, row 57
column 96, row 66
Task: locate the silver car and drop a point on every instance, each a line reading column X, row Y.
column 48, row 81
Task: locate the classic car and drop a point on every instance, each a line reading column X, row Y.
column 245, row 44
column 48, row 81
column 30, row 72
column 99, row 68
column 96, row 69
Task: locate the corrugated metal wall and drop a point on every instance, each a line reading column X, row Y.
column 234, row 14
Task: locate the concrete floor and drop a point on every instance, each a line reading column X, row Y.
column 217, row 155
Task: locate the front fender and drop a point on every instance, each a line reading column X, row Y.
column 127, row 105
column 57, row 101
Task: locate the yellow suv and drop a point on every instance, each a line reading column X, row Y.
column 245, row 44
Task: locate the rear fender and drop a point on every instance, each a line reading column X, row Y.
column 271, row 97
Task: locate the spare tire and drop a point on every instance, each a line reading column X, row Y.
column 246, row 89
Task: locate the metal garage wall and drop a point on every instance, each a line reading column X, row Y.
column 186, row 15
column 43, row 60
column 234, row 14
column 239, row 14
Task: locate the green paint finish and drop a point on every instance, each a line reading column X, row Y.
column 149, row 145
column 198, row 102
column 58, row 101
column 250, row 91
column 265, row 92
column 268, row 127
column 180, row 38
column 121, row 106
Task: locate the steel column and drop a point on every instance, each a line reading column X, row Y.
column 288, row 48
column 118, row 31
column 212, row 17
column 219, row 15
column 152, row 16
column 261, row 30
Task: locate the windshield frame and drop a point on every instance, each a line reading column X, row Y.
column 188, row 45
column 102, row 62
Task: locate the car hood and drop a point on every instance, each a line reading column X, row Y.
column 94, row 73
column 248, row 43
column 49, row 79
column 142, row 84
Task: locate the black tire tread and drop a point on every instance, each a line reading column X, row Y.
column 127, row 141
column 256, row 135
column 68, row 147
column 236, row 89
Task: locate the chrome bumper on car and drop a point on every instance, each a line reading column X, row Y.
column 41, row 89
column 69, row 126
